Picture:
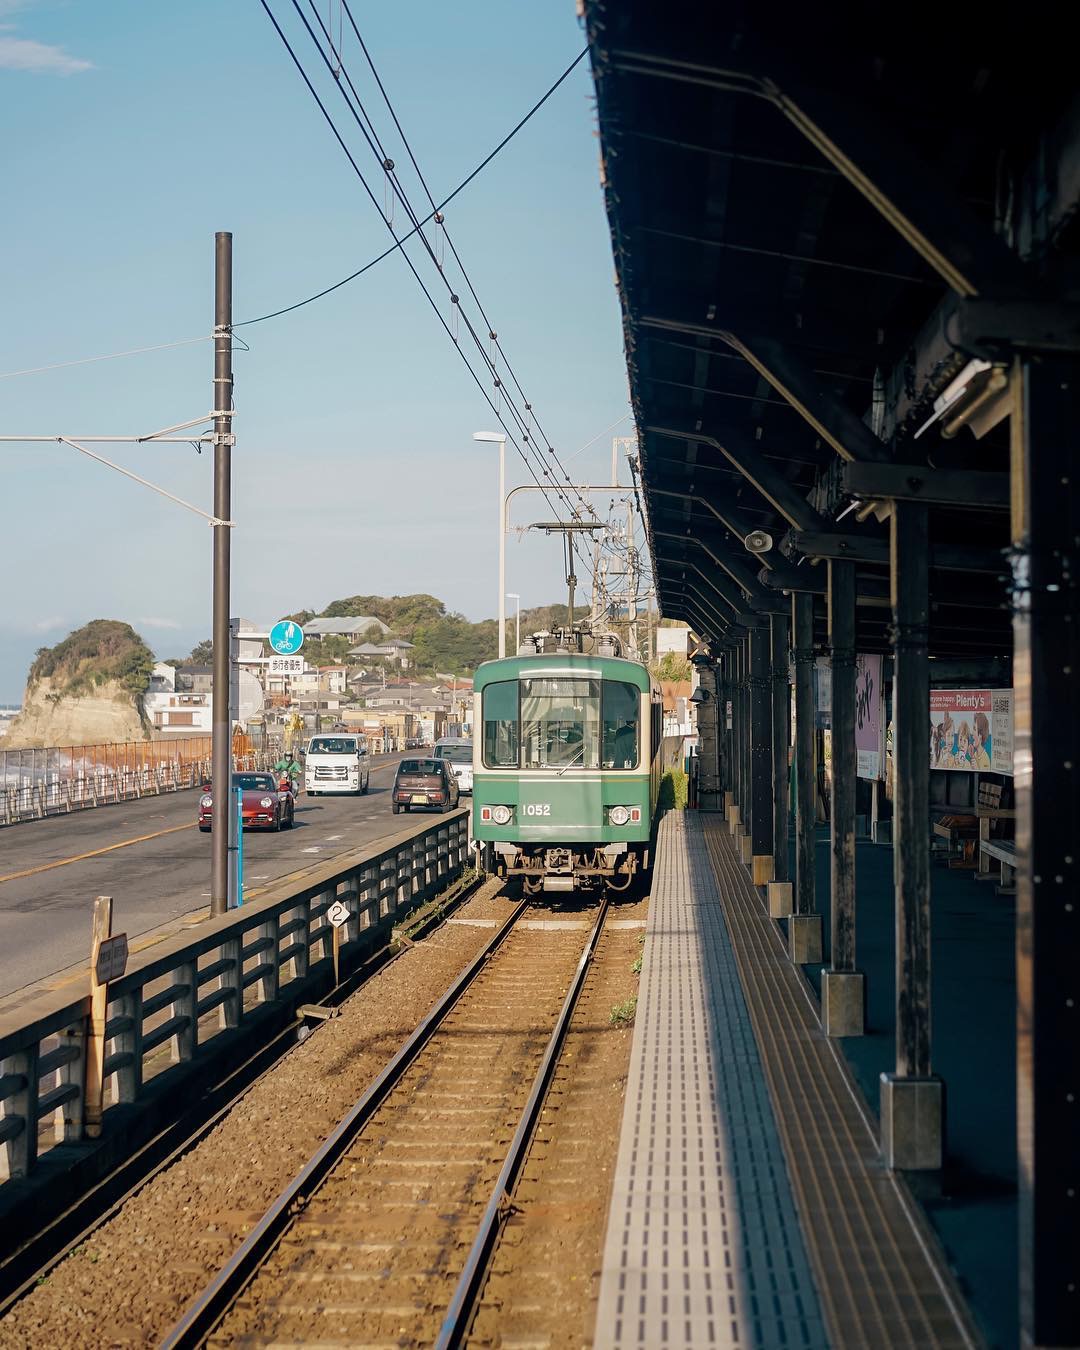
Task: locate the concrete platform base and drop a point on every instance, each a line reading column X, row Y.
column 746, row 849
column 912, row 1122
column 843, row 1002
column 763, row 866
column 780, row 899
column 804, row 939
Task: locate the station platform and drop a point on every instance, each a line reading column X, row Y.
column 750, row 1206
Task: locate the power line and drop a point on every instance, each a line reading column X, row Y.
column 492, row 334
column 398, row 242
column 108, row 356
column 288, row 309
column 338, row 69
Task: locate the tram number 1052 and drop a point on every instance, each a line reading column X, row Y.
column 538, row 808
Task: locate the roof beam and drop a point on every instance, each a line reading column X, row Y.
column 731, row 520
column 910, row 194
column 757, row 470
column 870, row 549
column 917, row 483
column 796, row 382
column 738, row 570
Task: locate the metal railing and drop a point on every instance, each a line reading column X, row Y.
column 185, row 992
column 56, row 780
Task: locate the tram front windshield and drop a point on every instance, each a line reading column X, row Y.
column 560, row 723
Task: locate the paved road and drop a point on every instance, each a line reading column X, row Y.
column 151, row 859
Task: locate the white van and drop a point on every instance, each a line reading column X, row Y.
column 336, row 763
column 458, row 753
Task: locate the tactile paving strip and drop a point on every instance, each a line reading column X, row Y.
column 881, row 1279
column 703, row 1245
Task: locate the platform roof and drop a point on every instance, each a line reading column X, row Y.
column 777, row 318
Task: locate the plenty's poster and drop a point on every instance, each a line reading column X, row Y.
column 971, row 729
column 869, row 722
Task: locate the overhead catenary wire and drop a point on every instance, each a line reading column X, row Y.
column 440, row 221
column 328, row 118
column 355, row 105
column 337, row 285
column 344, row 83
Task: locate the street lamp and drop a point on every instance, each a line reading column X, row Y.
column 513, row 595
column 499, row 438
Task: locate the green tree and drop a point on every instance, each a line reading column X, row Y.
column 202, row 654
column 672, row 666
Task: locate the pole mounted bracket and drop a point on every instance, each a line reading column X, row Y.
column 223, row 438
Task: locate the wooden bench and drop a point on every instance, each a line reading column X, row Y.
column 1003, row 851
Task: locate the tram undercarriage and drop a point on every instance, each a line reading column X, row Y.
column 566, row 867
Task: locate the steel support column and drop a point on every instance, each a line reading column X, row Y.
column 1046, row 620
column 842, row 987
column 912, row 1120
column 761, row 784
column 804, row 926
column 779, row 891
column 744, row 748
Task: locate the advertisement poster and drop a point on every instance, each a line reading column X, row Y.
column 869, row 722
column 971, row 729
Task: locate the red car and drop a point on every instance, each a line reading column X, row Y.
column 267, row 803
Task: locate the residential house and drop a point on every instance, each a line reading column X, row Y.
column 172, row 703
column 347, row 625
column 391, row 649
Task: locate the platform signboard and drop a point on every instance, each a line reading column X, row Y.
column 971, row 730
column 869, row 719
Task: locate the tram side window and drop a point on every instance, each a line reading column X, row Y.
column 622, row 705
column 501, row 725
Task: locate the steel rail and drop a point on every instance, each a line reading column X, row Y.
column 204, row 1313
column 43, row 1251
column 470, row 1283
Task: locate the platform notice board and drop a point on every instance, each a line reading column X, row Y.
column 972, row 730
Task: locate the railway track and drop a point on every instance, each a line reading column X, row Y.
column 386, row 1235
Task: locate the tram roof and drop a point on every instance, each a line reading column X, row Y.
column 774, row 315
column 552, row 664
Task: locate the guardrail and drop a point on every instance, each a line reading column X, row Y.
column 51, row 782
column 266, row 950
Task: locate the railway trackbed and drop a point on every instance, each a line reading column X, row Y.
column 386, row 1235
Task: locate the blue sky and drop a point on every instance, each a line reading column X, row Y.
column 128, row 144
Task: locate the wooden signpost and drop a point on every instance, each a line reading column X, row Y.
column 108, row 961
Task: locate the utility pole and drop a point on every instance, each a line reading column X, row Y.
column 631, row 580
column 223, row 837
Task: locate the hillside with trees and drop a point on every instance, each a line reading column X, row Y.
column 442, row 639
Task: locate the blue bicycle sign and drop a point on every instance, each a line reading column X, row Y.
column 286, row 637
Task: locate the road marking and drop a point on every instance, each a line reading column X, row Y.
column 314, row 849
column 95, row 853
column 331, row 838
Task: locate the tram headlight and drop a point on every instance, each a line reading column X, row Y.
column 619, row 815
column 501, row 815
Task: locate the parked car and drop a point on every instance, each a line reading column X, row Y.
column 458, row 753
column 267, row 804
column 424, row 782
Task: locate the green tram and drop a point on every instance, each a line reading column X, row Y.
column 566, row 766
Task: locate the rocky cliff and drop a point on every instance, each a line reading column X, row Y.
column 86, row 690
